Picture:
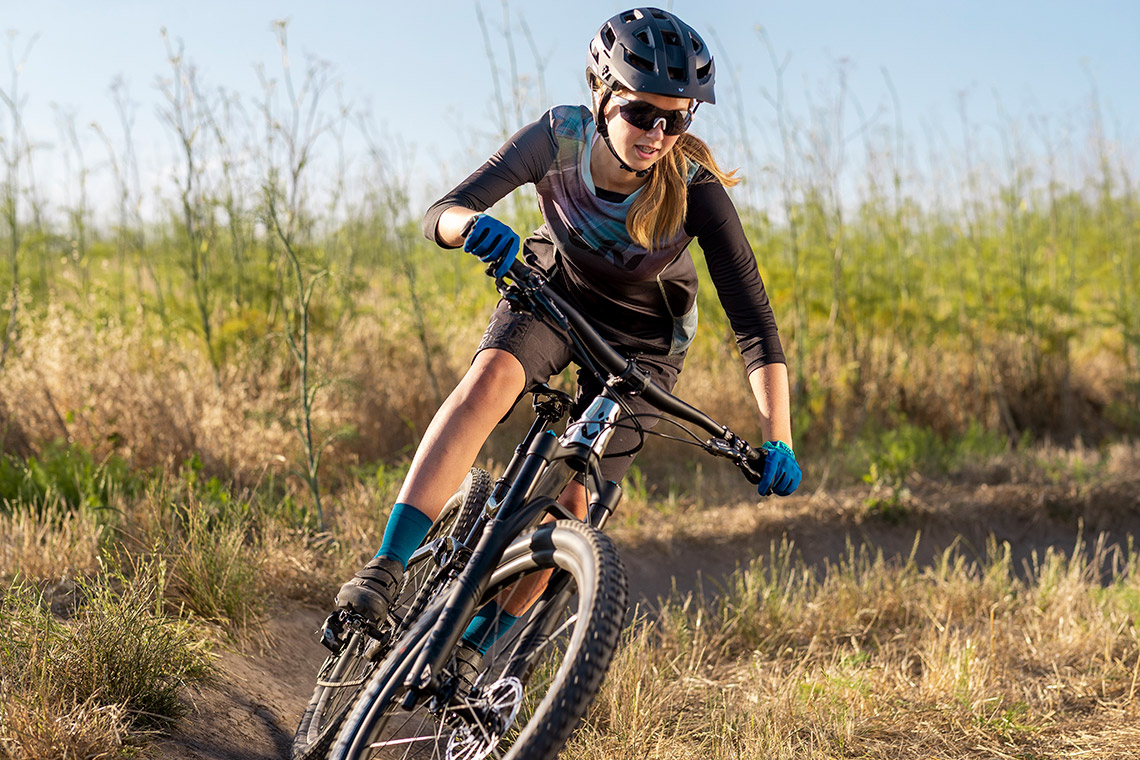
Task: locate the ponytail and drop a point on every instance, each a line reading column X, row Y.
column 658, row 214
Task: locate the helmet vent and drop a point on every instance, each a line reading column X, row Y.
column 643, row 37
column 609, row 36
column 698, row 46
column 658, row 13
column 703, row 71
column 630, row 16
column 671, row 38
column 676, row 74
column 637, row 61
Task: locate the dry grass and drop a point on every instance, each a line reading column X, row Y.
column 38, row 727
column 155, row 402
column 865, row 659
column 885, row 660
column 90, row 685
column 49, row 547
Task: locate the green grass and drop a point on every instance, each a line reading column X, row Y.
column 112, row 666
column 64, row 477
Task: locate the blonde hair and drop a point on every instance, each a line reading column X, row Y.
column 658, row 214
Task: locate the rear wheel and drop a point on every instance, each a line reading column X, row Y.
column 534, row 684
column 360, row 646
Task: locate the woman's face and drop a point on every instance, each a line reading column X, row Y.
column 641, row 148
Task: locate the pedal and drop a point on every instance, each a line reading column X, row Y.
column 332, row 632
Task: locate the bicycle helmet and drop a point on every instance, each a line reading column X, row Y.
column 651, row 50
column 648, row 50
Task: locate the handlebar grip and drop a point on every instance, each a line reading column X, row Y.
column 519, row 269
column 752, row 464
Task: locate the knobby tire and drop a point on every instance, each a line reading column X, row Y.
column 561, row 679
column 560, row 683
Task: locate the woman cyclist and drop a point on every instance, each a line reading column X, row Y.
column 623, row 188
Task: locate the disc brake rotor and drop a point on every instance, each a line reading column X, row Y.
column 496, row 708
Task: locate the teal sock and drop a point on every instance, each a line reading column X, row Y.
column 488, row 626
column 406, row 529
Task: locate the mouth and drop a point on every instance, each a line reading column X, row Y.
column 646, row 153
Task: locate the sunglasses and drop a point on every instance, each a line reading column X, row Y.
column 646, row 116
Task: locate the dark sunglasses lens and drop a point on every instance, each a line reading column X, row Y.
column 644, row 115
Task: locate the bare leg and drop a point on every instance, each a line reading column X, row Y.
column 459, row 429
column 453, row 439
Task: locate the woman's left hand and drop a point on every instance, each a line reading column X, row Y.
column 782, row 473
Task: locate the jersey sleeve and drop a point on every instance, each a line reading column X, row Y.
column 524, row 158
column 714, row 222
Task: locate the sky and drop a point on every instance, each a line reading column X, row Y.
column 423, row 71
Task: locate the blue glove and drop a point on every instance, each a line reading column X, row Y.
column 493, row 242
column 781, row 474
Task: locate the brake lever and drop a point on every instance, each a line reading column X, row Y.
column 753, row 463
column 730, row 446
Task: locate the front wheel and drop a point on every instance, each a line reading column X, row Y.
column 348, row 669
column 535, row 682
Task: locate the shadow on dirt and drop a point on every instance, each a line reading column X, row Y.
column 934, row 517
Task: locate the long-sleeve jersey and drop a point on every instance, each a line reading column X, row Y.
column 641, row 299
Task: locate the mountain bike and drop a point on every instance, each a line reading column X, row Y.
column 410, row 687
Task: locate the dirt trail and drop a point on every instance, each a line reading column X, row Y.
column 251, row 711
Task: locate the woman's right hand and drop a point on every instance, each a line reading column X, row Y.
column 492, row 242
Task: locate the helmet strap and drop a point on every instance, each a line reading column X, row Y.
column 604, row 131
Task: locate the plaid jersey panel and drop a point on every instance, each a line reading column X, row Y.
column 585, row 228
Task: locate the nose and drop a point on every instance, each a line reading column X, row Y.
column 658, row 128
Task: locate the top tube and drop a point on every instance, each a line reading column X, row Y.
column 622, row 371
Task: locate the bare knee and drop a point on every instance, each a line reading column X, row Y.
column 495, row 379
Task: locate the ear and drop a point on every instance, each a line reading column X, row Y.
column 596, row 95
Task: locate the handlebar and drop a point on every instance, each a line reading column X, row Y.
column 523, row 285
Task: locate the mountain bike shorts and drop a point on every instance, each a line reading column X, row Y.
column 544, row 352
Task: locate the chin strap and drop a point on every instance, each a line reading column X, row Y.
column 603, row 130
